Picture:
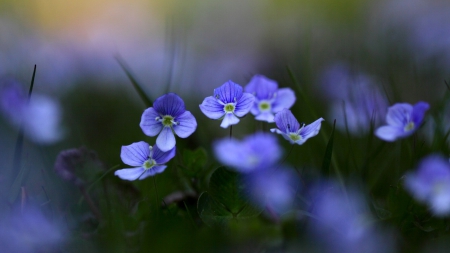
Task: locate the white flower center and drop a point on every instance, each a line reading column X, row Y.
column 167, row 121
column 264, row 106
column 295, row 136
column 229, row 108
column 150, row 163
column 409, row 127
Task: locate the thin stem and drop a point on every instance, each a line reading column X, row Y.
column 231, row 131
column 156, row 191
column 91, row 204
column 286, row 157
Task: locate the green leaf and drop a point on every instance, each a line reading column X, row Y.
column 328, row 153
column 211, row 211
column 194, row 160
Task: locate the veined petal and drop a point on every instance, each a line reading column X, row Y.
column 212, row 108
column 244, row 104
column 265, row 116
column 285, row 98
column 165, row 140
column 228, row 92
column 418, row 112
column 149, row 125
column 390, row 133
column 286, row 121
column 262, row 87
column 169, row 104
column 186, row 124
column 398, row 114
column 309, row 131
column 162, row 157
column 153, row 171
column 129, row 173
column 229, row 119
column 135, row 154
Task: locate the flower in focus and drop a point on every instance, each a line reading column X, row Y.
column 268, row 98
column 147, row 160
column 168, row 114
column 292, row 131
column 255, row 152
column 402, row 121
column 29, row 231
column 40, row 117
column 430, row 184
column 229, row 103
column 343, row 223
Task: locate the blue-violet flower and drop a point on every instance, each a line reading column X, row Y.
column 402, row 121
column 229, row 102
column 292, row 131
column 147, row 160
column 430, row 184
column 268, row 98
column 168, row 114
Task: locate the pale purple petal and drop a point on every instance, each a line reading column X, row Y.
column 265, row 116
column 255, row 108
column 130, row 173
column 262, row 87
column 418, row 112
column 310, row 130
column 149, row 125
column 285, row 98
column 212, row 108
column 229, row 92
column 390, row 133
column 162, row 157
column 186, row 124
column 286, row 121
column 229, row 119
column 153, row 171
column 169, row 104
column 244, row 104
column 135, row 154
column 166, row 139
column 398, row 114
column 228, row 152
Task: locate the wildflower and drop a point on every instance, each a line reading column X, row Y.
column 229, row 103
column 402, row 121
column 268, row 98
column 147, row 160
column 430, row 184
column 168, row 114
column 255, row 152
column 292, row 131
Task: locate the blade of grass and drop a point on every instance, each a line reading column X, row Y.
column 328, row 153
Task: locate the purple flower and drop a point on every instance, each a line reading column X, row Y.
column 255, row 152
column 292, row 131
column 147, row 160
column 229, row 103
column 168, row 114
column 402, row 120
column 430, row 184
column 268, row 98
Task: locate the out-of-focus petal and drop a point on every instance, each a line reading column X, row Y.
column 229, row 119
column 166, row 139
column 153, row 171
column 130, row 173
column 149, row 125
column 390, row 133
column 285, row 98
column 265, row 116
column 228, row 92
column 212, row 108
column 135, row 154
column 418, row 112
column 244, row 104
column 169, row 104
column 162, row 157
column 262, row 87
column 186, row 124
column 398, row 113
column 286, row 121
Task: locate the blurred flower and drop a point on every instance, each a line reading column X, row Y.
column 268, row 98
column 147, row 160
column 29, row 231
column 40, row 117
column 229, row 103
column 403, row 120
column 168, row 114
column 343, row 222
column 272, row 188
column 354, row 99
column 255, row 152
column 430, row 184
column 292, row 131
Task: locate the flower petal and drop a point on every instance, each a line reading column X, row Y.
column 309, row 131
column 165, row 140
column 285, row 98
column 186, row 124
column 149, row 125
column 153, row 171
column 129, row 173
column 390, row 133
column 265, row 116
column 286, row 121
column 162, row 157
column 229, row 92
column 262, row 87
column 169, row 104
column 418, row 112
column 244, row 104
column 398, row 114
column 212, row 108
column 229, row 119
column 135, row 154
